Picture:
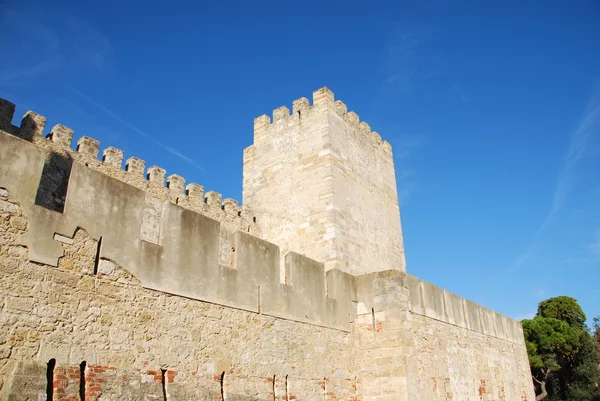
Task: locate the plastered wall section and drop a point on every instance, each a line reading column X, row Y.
column 113, row 339
column 462, row 351
column 153, row 180
column 322, row 184
column 184, row 258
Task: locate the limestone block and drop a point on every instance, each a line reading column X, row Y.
column 61, row 135
column 88, row 146
column 113, row 157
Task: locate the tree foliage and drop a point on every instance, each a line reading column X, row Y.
column 563, row 308
column 564, row 356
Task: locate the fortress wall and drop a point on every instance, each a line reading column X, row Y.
column 364, row 185
column 176, row 251
column 322, row 184
column 463, row 351
column 169, row 295
column 153, row 181
column 287, row 183
column 139, row 343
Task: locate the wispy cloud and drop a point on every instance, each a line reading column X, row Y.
column 135, row 129
column 36, row 49
column 403, row 57
column 579, row 140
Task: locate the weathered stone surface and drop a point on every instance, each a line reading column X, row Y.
column 322, row 187
column 146, row 292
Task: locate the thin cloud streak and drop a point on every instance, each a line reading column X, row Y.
column 138, row 131
column 578, row 144
column 42, row 50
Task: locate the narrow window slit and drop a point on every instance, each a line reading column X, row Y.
column 222, row 386
column 373, row 319
column 286, row 388
column 50, row 379
column 97, row 259
column 163, row 381
column 274, row 396
column 82, row 367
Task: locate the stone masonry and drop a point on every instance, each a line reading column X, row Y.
column 119, row 282
column 323, row 184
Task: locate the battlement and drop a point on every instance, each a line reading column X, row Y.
column 334, row 182
column 323, row 100
column 123, row 281
column 166, row 246
column 153, row 180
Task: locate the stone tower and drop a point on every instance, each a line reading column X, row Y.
column 322, row 184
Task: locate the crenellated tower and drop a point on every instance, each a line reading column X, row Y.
column 322, row 184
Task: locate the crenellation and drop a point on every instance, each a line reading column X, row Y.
column 387, row 147
column 341, row 107
column 213, row 199
column 61, row 135
column 323, row 97
column 32, row 126
column 364, row 127
column 299, row 293
column 231, row 207
column 7, row 112
column 135, row 166
column 281, row 113
column 113, row 157
column 88, row 146
column 156, row 175
column 246, row 213
column 176, row 183
column 376, row 137
column 300, row 105
column 261, row 123
column 195, row 191
column 324, row 157
column 352, row 118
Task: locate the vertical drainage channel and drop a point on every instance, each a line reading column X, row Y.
column 259, row 305
column 50, row 379
column 222, row 386
column 82, row 367
column 97, row 259
column 163, row 382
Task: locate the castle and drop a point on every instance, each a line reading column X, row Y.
column 117, row 286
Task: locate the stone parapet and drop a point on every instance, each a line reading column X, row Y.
column 152, row 180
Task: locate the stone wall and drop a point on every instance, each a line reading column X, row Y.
column 322, row 184
column 115, row 287
column 134, row 343
column 462, row 351
column 177, row 250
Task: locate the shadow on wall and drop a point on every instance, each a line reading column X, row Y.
column 52, row 191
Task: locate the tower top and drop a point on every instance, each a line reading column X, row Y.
column 323, row 184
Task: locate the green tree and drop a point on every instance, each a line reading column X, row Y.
column 563, row 308
column 562, row 353
column 596, row 331
column 550, row 342
column 584, row 382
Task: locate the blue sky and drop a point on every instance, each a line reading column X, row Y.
column 493, row 111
